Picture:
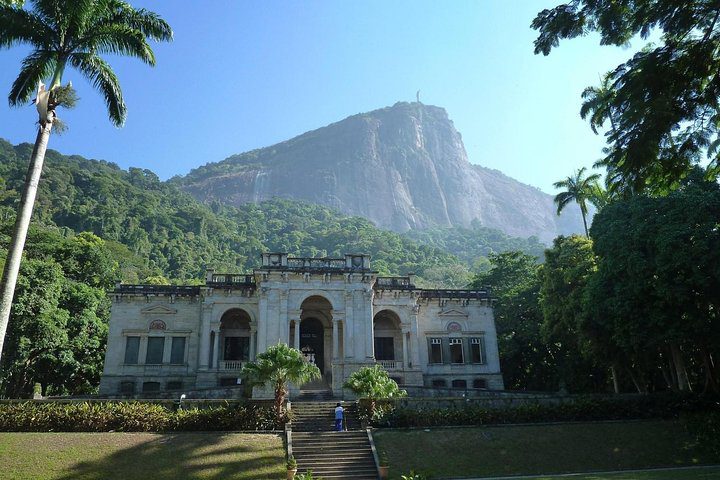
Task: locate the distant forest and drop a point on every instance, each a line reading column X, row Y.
column 156, row 231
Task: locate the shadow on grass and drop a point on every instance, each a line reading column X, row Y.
column 187, row 456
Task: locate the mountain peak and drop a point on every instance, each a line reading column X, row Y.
column 403, row 167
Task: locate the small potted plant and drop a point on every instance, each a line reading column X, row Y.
column 291, row 467
column 384, row 465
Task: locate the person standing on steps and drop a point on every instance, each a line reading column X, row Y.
column 339, row 411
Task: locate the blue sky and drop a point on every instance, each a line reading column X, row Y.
column 247, row 74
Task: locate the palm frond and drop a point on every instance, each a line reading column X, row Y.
column 35, row 67
column 102, row 78
column 118, row 40
column 150, row 24
column 19, row 26
column 562, row 199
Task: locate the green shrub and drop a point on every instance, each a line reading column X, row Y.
column 388, row 414
column 130, row 417
column 705, row 427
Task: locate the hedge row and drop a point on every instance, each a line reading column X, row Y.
column 131, row 417
column 387, row 414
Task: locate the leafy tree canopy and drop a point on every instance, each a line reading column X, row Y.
column 60, row 314
column 373, row 383
column 662, row 104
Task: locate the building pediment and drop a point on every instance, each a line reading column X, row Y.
column 453, row 312
column 158, row 310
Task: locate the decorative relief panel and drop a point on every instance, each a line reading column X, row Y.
column 158, row 325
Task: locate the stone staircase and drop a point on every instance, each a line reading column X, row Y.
column 320, row 416
column 330, row 454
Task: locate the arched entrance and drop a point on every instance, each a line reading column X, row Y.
column 316, row 333
column 312, row 341
column 389, row 342
column 234, row 344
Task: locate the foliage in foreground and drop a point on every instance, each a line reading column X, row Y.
column 59, row 315
column 132, row 417
column 388, row 414
column 661, row 104
column 277, row 366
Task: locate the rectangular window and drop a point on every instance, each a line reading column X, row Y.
column 155, row 348
column 436, row 350
column 237, row 348
column 459, row 383
column 151, row 387
column 384, row 348
column 478, row 350
column 177, row 351
column 456, row 350
column 132, row 348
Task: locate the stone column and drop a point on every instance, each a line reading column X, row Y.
column 204, row 347
column 405, row 348
column 414, row 341
column 348, row 326
column 253, row 341
column 283, row 318
column 336, row 339
column 296, row 340
column 369, row 326
column 216, row 351
column 262, row 321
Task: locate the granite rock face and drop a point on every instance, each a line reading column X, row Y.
column 403, row 167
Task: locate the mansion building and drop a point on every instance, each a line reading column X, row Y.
column 337, row 311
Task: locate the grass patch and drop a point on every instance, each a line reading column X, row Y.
column 142, row 456
column 702, row 473
column 542, row 449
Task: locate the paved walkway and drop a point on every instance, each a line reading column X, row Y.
column 608, row 472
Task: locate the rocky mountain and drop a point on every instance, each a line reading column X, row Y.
column 403, row 167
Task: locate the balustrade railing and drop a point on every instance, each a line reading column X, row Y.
column 228, row 365
column 390, row 364
column 396, row 283
column 231, row 280
column 475, row 294
column 316, row 263
column 179, row 290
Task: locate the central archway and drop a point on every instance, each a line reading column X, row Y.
column 316, row 333
column 312, row 341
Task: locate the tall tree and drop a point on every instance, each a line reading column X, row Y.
column 568, row 266
column 578, row 188
column 62, row 33
column 655, row 296
column 528, row 362
column 663, row 102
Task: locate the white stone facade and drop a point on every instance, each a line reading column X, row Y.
column 174, row 338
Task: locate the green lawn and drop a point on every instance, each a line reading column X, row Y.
column 142, row 456
column 705, row 473
column 545, row 450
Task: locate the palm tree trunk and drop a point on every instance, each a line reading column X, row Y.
column 616, row 384
column 682, row 375
column 22, row 222
column 582, row 211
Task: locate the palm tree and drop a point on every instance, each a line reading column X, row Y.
column 66, row 33
column 280, row 365
column 578, row 189
column 597, row 103
column 373, row 383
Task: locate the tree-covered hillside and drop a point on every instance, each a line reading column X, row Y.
column 156, row 229
column 473, row 245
